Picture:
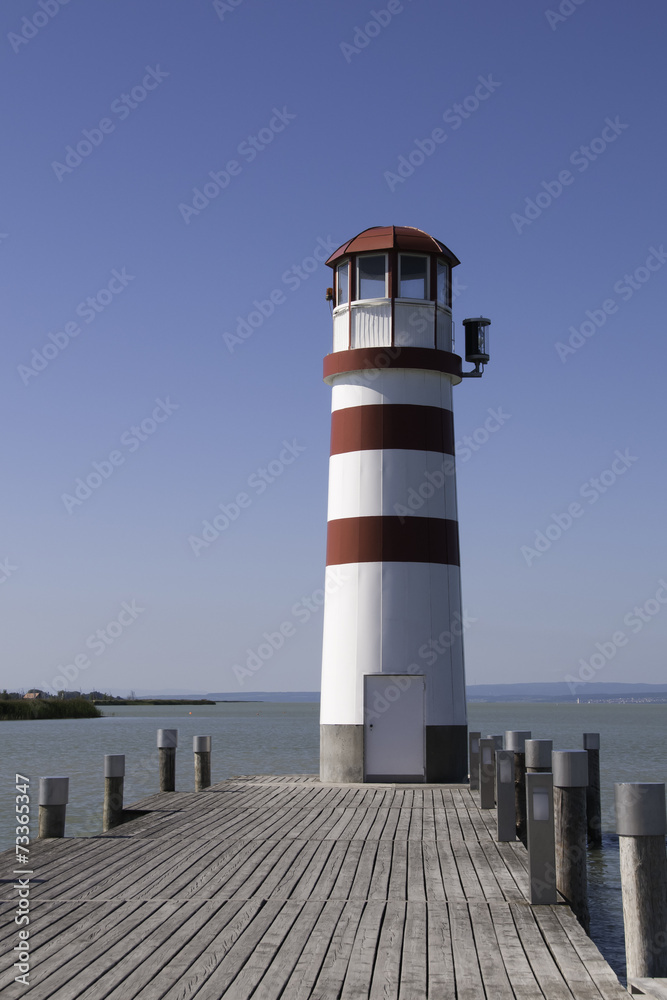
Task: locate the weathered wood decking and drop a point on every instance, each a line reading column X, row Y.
column 270, row 887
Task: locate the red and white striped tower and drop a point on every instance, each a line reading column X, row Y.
column 393, row 685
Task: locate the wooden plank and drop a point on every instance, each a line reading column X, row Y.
column 359, row 973
column 518, row 967
column 248, row 879
column 451, row 879
column 362, row 877
column 433, row 883
column 541, row 960
column 574, row 970
column 48, row 940
column 289, row 885
column 334, row 967
column 415, row 873
column 330, row 870
column 307, row 969
column 656, row 989
column 387, row 970
column 223, row 959
column 604, row 976
column 343, row 883
column 398, row 878
column 155, row 946
column 263, row 951
column 227, row 920
column 379, row 884
column 469, row 877
column 226, row 882
column 484, row 871
column 95, row 952
column 286, row 869
column 414, row 965
column 466, row 964
column 313, row 872
column 441, row 979
column 492, row 966
column 288, row 954
column 513, row 884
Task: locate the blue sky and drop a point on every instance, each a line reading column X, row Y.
column 305, row 112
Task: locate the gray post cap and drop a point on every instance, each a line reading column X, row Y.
column 201, row 744
column 515, row 739
column 570, row 768
column 53, row 791
column 640, row 809
column 591, row 741
column 114, row 765
column 167, row 738
column 538, row 753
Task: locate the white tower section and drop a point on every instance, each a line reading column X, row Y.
column 393, row 684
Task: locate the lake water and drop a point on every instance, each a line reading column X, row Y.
column 283, row 738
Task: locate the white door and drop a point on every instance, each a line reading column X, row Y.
column 394, row 730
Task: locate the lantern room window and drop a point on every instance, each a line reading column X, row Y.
column 443, row 283
column 343, row 284
column 372, row 277
column 413, row 277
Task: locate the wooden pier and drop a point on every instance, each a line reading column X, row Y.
column 283, row 887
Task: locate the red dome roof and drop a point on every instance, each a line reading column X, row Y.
column 393, row 238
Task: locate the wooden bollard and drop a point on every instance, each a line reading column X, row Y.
column 541, row 838
column 515, row 740
column 570, row 776
column 201, row 746
column 538, row 756
column 506, row 814
column 641, row 828
column 487, row 773
column 167, row 741
column 114, row 778
column 53, row 798
column 593, row 808
column 473, row 760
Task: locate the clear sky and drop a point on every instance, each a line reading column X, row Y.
column 127, row 298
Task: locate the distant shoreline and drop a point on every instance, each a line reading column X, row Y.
column 154, row 701
column 25, row 709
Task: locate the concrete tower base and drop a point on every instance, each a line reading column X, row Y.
column 342, row 754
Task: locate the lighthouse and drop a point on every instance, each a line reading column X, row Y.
column 393, row 703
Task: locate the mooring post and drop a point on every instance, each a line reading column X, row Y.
column 167, row 741
column 498, row 741
column 202, row 750
column 506, row 814
column 541, row 837
column 641, row 828
column 114, row 778
column 593, row 809
column 53, row 798
column 538, row 756
column 515, row 740
column 570, row 775
column 487, row 773
column 473, row 760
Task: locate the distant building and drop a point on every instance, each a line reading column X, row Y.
column 34, row 693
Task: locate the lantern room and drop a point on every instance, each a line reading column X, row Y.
column 392, row 287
